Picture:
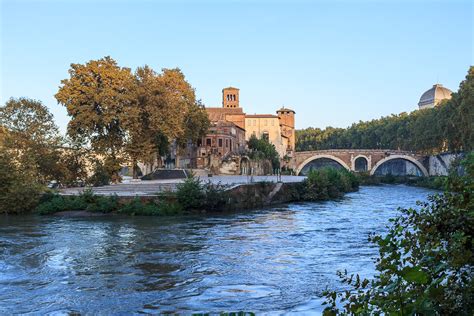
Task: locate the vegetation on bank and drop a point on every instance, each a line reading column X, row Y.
column 196, row 196
column 260, row 149
column 425, row 260
column 448, row 127
column 434, row 182
column 326, row 184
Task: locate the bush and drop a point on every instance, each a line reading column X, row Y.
column 328, row 183
column 190, row 194
column 18, row 193
column 59, row 203
column 100, row 176
column 425, row 261
column 161, row 208
column 103, row 204
column 216, row 196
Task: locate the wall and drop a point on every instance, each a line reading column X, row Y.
column 439, row 165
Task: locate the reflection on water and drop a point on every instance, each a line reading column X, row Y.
column 271, row 260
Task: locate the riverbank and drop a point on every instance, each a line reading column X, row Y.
column 433, row 182
column 196, row 196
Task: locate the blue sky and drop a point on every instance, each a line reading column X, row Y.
column 333, row 62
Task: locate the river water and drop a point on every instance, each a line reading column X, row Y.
column 276, row 260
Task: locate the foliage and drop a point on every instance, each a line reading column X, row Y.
column 449, row 126
column 130, row 116
column 160, row 208
column 216, row 197
column 263, row 149
column 190, row 194
column 60, row 203
column 31, row 138
column 18, row 193
column 328, row 183
column 425, row 261
column 100, row 175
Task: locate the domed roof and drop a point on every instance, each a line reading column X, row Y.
column 434, row 96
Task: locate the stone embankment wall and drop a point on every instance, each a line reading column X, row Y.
column 260, row 194
column 439, row 165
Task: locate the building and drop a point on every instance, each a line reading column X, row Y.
column 231, row 124
column 434, row 96
column 222, row 139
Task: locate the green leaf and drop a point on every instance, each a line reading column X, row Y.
column 414, row 275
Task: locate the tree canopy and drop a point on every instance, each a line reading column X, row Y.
column 447, row 127
column 130, row 115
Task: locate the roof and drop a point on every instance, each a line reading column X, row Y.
column 261, row 116
column 219, row 114
column 283, row 109
column 435, row 95
column 230, row 88
column 221, row 124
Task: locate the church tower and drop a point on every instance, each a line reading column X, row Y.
column 287, row 124
column 230, row 97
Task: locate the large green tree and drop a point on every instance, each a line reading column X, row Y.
column 31, row 138
column 130, row 116
column 100, row 99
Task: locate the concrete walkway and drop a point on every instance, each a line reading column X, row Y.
column 153, row 187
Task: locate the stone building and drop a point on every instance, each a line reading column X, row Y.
column 223, row 138
column 434, row 96
column 279, row 129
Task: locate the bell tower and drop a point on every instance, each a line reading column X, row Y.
column 287, row 124
column 230, row 97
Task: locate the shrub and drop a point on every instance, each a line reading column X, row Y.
column 137, row 207
column 328, row 183
column 190, row 194
column 103, row 204
column 60, row 203
column 18, row 193
column 425, row 261
column 216, row 196
column 100, row 176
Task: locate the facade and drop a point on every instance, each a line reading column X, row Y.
column 230, row 125
column 434, row 96
column 222, row 139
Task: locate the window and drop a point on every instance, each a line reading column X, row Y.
column 273, row 122
column 254, row 122
column 199, row 142
column 265, row 136
column 208, row 142
column 220, row 142
column 227, row 143
column 265, row 123
column 231, row 144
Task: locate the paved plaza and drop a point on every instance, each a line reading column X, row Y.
column 131, row 187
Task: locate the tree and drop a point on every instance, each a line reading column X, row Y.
column 31, row 138
column 448, row 126
column 100, row 99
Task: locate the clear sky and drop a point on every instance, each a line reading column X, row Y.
column 333, row 62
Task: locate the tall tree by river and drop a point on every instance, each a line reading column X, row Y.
column 449, row 126
column 126, row 115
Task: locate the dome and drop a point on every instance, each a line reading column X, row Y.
column 434, row 96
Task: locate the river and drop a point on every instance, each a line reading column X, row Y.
column 275, row 260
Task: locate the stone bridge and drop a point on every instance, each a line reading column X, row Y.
column 359, row 160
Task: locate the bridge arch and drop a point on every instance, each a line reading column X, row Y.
column 404, row 157
column 356, row 163
column 319, row 156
